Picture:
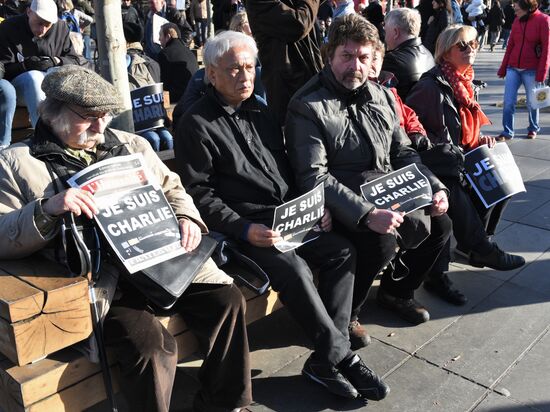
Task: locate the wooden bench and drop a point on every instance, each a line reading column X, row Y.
column 67, row 381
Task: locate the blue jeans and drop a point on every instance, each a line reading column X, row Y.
column 8, row 102
column 514, row 79
column 160, row 139
column 87, row 47
column 29, row 92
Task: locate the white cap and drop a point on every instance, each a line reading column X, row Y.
column 45, row 9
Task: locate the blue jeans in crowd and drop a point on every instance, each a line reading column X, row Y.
column 27, row 85
column 8, row 99
column 514, row 79
column 160, row 139
column 87, row 40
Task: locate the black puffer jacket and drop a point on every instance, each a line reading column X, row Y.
column 408, row 62
column 340, row 138
column 433, row 101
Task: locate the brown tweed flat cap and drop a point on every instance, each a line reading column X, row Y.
column 82, row 87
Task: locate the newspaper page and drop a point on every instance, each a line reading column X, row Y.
column 134, row 215
column 298, row 221
column 404, row 190
column 493, row 173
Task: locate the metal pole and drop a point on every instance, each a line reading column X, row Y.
column 112, row 56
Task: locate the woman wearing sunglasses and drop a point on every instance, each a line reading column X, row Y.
column 444, row 101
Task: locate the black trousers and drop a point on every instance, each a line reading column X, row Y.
column 374, row 251
column 472, row 222
column 147, row 352
column 322, row 312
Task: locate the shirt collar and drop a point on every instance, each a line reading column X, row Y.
column 250, row 104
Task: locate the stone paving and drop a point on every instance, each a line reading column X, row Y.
column 492, row 354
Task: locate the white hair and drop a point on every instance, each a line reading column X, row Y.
column 222, row 42
column 408, row 20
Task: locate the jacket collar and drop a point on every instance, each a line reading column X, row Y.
column 250, row 104
column 414, row 42
column 44, row 141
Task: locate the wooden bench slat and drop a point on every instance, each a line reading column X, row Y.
column 63, row 317
column 18, row 299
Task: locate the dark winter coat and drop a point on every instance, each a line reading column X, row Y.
column 288, row 47
column 177, row 65
column 408, row 62
column 339, row 137
column 16, row 43
column 232, row 162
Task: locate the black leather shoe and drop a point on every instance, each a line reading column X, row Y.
column 367, row 383
column 408, row 309
column 358, row 336
column 327, row 375
column 496, row 259
column 443, row 287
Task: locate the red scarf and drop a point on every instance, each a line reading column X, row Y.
column 471, row 115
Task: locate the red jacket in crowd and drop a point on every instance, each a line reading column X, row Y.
column 408, row 119
column 528, row 46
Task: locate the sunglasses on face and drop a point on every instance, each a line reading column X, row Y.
column 463, row 45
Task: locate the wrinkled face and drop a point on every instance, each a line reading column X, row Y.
column 156, row 5
column 463, row 54
column 351, row 64
column 233, row 76
column 39, row 26
column 83, row 130
column 376, row 65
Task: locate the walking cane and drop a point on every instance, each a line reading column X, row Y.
column 90, row 271
column 98, row 334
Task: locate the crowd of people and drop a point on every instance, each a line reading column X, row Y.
column 293, row 94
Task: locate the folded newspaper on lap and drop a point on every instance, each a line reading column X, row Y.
column 299, row 220
column 493, row 173
column 134, row 214
column 404, row 190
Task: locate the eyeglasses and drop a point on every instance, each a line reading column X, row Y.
column 90, row 119
column 463, row 45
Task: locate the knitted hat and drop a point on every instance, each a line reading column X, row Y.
column 45, row 9
column 82, row 87
column 133, row 32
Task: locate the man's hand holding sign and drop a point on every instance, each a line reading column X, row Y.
column 397, row 194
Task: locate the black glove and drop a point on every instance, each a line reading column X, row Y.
column 420, row 142
column 40, row 63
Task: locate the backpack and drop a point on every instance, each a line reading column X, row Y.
column 138, row 72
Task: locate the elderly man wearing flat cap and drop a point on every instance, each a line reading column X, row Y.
column 72, row 133
column 30, row 45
